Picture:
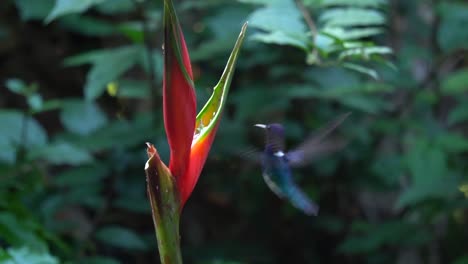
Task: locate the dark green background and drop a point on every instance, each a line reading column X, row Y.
column 72, row 185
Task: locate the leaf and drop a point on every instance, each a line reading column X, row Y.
column 82, row 117
column 108, row 65
column 64, row 7
column 224, row 25
column 280, row 38
column 282, row 24
column 452, row 33
column 108, row 68
column 458, row 114
column 17, row 130
column 17, row 86
column 114, row 7
column 33, row 9
column 121, row 237
column 82, row 175
column 88, row 26
column 352, row 33
column 25, row 255
column 127, row 88
column 17, row 231
column 133, row 30
column 284, row 17
column 360, row 3
column 430, row 175
column 61, row 153
column 456, row 83
column 133, row 204
column 362, row 69
column 35, row 102
column 264, row 2
column 364, row 52
column 363, row 3
column 452, row 143
column 120, row 131
column 347, row 17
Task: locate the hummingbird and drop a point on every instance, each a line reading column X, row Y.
column 277, row 164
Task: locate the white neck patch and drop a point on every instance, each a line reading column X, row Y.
column 279, row 153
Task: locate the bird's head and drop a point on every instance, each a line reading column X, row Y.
column 272, row 129
column 275, row 134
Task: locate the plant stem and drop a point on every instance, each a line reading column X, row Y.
column 165, row 206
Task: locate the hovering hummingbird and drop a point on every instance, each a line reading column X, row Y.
column 276, row 163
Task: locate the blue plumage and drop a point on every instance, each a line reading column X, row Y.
column 276, row 163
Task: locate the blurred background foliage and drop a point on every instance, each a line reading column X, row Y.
column 81, row 92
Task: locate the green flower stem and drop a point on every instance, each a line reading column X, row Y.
column 165, row 207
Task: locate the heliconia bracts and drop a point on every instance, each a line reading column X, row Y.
column 190, row 136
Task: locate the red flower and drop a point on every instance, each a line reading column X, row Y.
column 190, row 136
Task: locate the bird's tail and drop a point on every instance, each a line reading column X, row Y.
column 300, row 200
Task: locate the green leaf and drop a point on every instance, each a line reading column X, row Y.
column 452, row 143
column 452, row 33
column 264, row 2
column 282, row 24
column 18, row 231
column 61, row 153
column 107, row 67
column 280, row 38
column 224, row 25
column 284, row 17
column 64, row 7
column 362, row 69
column 17, row 86
column 363, row 3
column 133, row 30
column 35, row 102
column 118, row 134
column 133, row 204
column 347, row 17
column 82, row 175
column 132, row 89
column 456, row 83
column 17, row 130
column 113, row 7
column 88, row 26
column 430, row 175
column 121, row 237
column 352, row 33
column 364, row 52
column 458, row 114
column 25, row 255
column 47, row 106
column 33, row 9
column 82, row 117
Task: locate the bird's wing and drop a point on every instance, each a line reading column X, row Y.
column 315, row 146
column 252, row 154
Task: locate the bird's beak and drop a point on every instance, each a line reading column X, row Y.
column 261, row 126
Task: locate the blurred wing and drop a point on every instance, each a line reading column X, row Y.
column 252, row 155
column 314, row 146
